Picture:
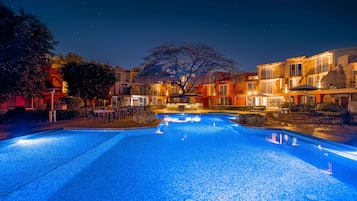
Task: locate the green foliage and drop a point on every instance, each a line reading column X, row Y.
column 183, row 65
column 15, row 113
column 73, row 103
column 61, row 60
column 88, row 80
column 329, row 107
column 25, row 46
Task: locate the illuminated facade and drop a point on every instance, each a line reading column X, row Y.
column 332, row 72
column 224, row 90
column 126, row 92
column 43, row 100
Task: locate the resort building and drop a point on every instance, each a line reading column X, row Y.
column 333, row 73
column 56, row 89
column 331, row 76
column 126, row 92
column 222, row 90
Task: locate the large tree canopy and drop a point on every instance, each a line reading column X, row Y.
column 183, row 65
column 26, row 45
column 334, row 79
column 60, row 60
column 88, row 80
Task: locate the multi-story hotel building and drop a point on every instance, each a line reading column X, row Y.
column 126, row 92
column 333, row 73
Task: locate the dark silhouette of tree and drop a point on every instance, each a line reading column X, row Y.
column 183, row 65
column 334, row 80
column 88, row 80
column 26, row 45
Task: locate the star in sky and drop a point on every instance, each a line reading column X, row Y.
column 251, row 32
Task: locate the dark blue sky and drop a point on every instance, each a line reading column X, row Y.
column 251, row 32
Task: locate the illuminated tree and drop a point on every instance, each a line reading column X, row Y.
column 60, row 60
column 88, row 80
column 26, row 45
column 184, row 65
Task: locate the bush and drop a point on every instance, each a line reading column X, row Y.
column 252, row 119
column 73, row 103
column 16, row 113
column 329, row 107
column 66, row 115
column 144, row 117
column 40, row 114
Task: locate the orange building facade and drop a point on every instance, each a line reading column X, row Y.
column 40, row 101
column 333, row 73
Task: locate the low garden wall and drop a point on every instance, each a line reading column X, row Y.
column 318, row 118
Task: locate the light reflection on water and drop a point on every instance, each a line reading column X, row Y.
column 208, row 158
column 325, row 155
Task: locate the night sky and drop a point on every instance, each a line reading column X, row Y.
column 121, row 33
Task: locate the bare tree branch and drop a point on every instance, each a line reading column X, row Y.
column 183, row 65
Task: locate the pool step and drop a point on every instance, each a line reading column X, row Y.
column 43, row 187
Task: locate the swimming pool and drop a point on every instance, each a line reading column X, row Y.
column 187, row 157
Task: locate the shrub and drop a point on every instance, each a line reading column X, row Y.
column 252, row 119
column 144, row 117
column 73, row 103
column 66, row 115
column 17, row 113
column 329, row 107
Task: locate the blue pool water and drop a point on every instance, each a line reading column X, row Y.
column 187, row 157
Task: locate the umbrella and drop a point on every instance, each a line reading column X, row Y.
column 304, row 88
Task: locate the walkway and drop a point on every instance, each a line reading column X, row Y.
column 344, row 133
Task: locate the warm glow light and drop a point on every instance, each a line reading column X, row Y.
column 347, row 154
column 33, row 142
column 186, row 119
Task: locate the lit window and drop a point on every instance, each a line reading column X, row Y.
column 223, row 89
column 266, row 73
column 267, row 87
column 295, row 70
column 322, row 64
column 252, row 86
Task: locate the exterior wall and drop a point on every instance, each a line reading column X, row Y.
column 275, row 79
column 271, row 79
column 252, row 89
column 126, row 92
column 223, row 89
column 317, row 66
column 293, row 73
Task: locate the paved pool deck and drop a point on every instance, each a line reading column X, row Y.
column 343, row 133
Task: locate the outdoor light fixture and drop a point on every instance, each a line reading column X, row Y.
column 33, row 141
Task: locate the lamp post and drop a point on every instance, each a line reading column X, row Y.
column 52, row 112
